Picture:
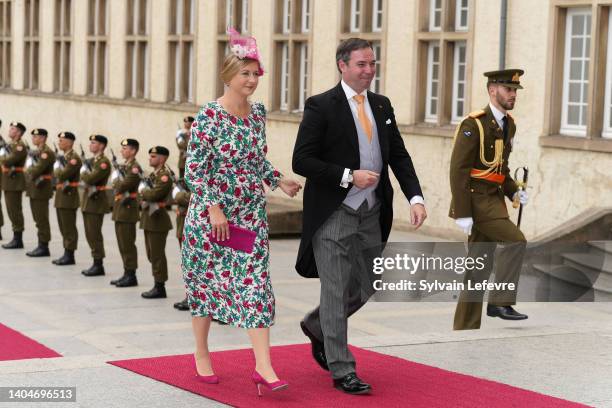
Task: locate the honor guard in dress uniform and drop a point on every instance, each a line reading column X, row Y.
column 67, row 178
column 2, row 142
column 39, row 176
column 480, row 181
column 182, row 141
column 125, row 181
column 154, row 219
column 181, row 196
column 13, row 181
column 95, row 174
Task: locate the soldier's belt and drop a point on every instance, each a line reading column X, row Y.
column 101, row 188
column 119, row 196
column 161, row 204
column 46, row 177
column 70, row 184
column 492, row 177
column 6, row 169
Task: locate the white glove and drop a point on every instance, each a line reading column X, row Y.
column 114, row 175
column 2, row 152
column 465, row 224
column 141, row 187
column 83, row 170
column 175, row 191
column 29, row 162
column 56, row 166
column 523, row 197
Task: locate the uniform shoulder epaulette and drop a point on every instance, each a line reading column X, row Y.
column 476, row 114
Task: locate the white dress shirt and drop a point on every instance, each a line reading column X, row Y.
column 498, row 115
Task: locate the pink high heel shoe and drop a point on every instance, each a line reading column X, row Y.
column 272, row 386
column 206, row 379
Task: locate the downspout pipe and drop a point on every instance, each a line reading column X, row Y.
column 502, row 34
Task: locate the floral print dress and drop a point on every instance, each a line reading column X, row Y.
column 227, row 165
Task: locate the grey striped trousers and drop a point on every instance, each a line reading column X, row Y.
column 344, row 247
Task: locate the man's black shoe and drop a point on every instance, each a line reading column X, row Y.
column 16, row 242
column 505, row 312
column 182, row 305
column 66, row 259
column 317, row 347
column 351, row 384
column 157, row 292
column 41, row 250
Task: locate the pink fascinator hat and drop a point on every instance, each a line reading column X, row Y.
column 244, row 47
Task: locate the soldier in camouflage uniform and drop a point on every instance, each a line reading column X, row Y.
column 125, row 181
column 95, row 202
column 182, row 141
column 13, row 182
column 40, row 190
column 67, row 178
column 155, row 220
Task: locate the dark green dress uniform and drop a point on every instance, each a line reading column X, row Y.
column 480, row 182
column 95, row 205
column 156, row 226
column 182, row 202
column 182, row 142
column 67, row 202
column 1, row 212
column 13, row 185
column 40, row 190
column 126, row 215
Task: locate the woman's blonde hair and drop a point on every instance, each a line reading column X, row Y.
column 232, row 65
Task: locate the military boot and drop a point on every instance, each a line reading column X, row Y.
column 16, row 242
column 157, row 292
column 182, row 305
column 66, row 259
column 41, row 250
column 128, row 279
column 97, row 269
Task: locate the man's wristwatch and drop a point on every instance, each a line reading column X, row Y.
column 349, row 178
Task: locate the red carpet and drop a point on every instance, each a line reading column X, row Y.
column 396, row 382
column 16, row 346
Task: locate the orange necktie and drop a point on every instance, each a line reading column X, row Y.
column 363, row 118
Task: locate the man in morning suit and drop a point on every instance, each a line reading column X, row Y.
column 347, row 140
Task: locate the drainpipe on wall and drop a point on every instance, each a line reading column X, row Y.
column 502, row 34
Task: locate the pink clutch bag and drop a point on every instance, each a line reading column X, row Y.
column 241, row 239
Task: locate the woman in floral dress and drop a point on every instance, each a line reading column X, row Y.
column 226, row 170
